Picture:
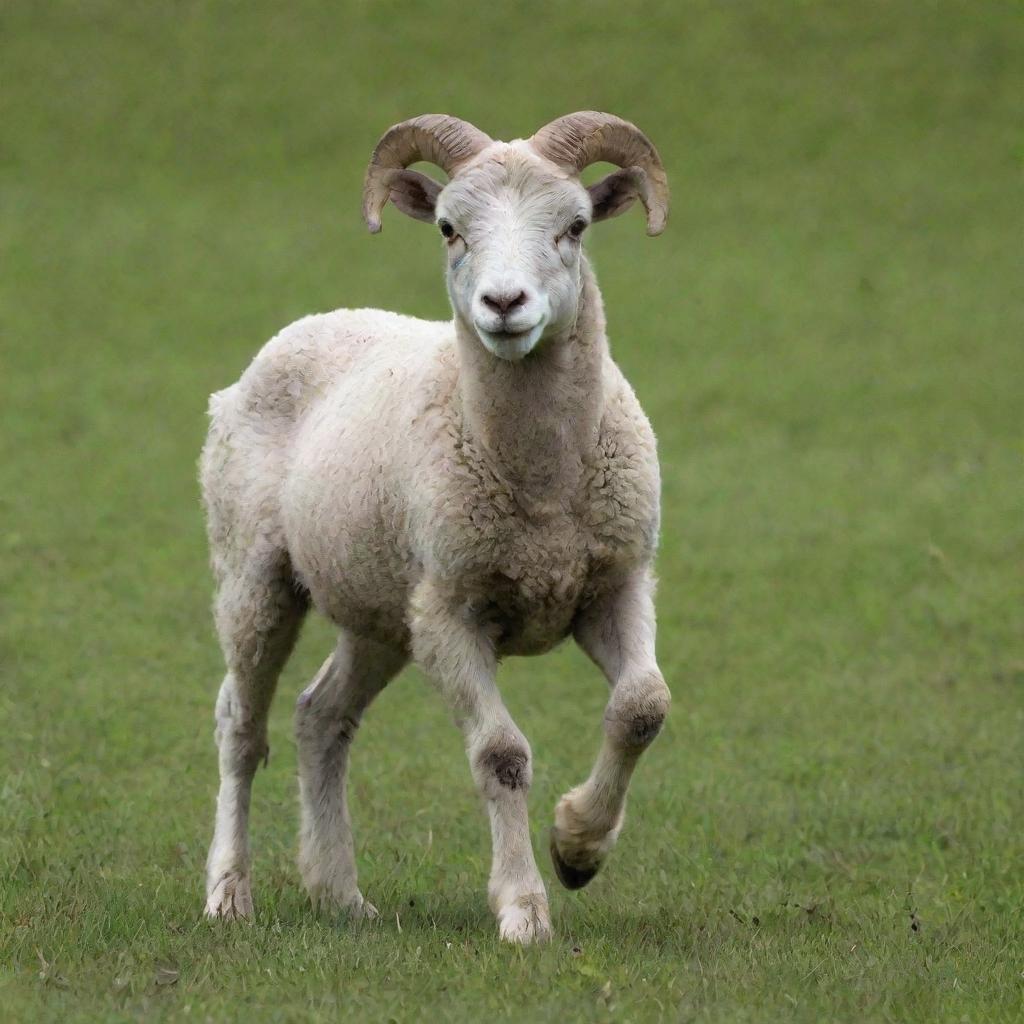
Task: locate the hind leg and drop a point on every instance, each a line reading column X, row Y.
column 258, row 614
column 326, row 718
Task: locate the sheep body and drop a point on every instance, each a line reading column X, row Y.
column 445, row 493
column 342, row 456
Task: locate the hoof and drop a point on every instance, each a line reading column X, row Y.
column 367, row 912
column 526, row 921
column 351, row 906
column 571, row 877
column 230, row 899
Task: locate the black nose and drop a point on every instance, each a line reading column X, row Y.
column 504, row 303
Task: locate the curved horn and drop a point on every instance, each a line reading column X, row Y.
column 437, row 138
column 583, row 138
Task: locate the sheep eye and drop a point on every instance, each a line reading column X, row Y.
column 446, row 229
column 577, row 227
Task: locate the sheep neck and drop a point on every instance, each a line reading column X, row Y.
column 534, row 421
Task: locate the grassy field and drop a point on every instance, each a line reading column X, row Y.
column 829, row 341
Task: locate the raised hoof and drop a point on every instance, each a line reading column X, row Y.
column 571, row 877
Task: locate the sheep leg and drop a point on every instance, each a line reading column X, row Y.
column 326, row 718
column 258, row 614
column 617, row 632
column 460, row 660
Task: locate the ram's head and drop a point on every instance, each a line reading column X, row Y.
column 513, row 214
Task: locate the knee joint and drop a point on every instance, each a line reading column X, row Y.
column 240, row 737
column 325, row 726
column 242, row 750
column 637, row 710
column 502, row 763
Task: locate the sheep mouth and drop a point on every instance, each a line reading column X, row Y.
column 511, row 345
column 508, row 335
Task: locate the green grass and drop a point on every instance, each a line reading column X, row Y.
column 830, row 343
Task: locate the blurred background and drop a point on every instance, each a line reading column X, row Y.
column 829, row 341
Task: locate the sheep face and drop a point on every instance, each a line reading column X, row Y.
column 512, row 226
column 513, row 213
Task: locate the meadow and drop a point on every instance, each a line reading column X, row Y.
column 829, row 341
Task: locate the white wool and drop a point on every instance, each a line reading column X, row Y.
column 439, row 502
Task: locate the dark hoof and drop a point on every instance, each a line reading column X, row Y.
column 570, row 877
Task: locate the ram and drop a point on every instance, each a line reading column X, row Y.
column 446, row 493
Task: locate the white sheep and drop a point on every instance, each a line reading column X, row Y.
column 450, row 493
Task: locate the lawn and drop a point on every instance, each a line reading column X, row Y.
column 829, row 340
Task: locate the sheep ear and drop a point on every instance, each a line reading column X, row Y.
column 617, row 192
column 414, row 194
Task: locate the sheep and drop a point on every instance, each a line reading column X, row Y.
column 446, row 493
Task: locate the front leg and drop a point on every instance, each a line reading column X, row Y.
column 617, row 632
column 458, row 657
